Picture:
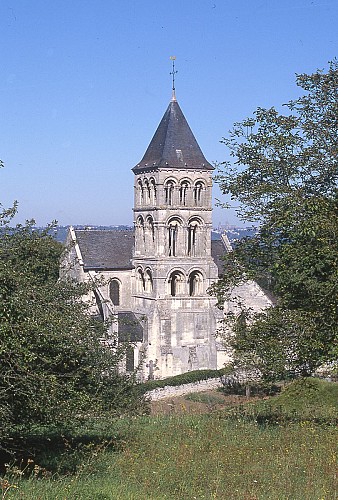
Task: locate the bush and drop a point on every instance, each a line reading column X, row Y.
column 44, row 451
column 55, row 371
column 233, row 386
column 304, row 400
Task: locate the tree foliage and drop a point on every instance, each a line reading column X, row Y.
column 284, row 176
column 54, row 367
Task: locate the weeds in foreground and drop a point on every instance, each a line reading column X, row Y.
column 209, row 399
column 201, row 457
column 305, row 400
column 206, row 456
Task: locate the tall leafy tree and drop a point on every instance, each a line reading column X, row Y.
column 284, row 178
column 55, row 368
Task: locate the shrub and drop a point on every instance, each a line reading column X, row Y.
column 304, row 400
column 55, row 371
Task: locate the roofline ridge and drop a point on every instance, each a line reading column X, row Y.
column 173, row 131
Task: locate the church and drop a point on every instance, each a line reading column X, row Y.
column 156, row 277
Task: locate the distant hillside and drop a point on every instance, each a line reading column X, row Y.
column 233, row 234
column 60, row 232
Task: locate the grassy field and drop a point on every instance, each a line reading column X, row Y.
column 198, row 457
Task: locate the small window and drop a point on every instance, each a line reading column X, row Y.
column 198, row 193
column 140, row 227
column 179, row 155
column 114, row 292
column 130, row 360
column 194, row 237
column 140, row 190
column 148, row 285
column 176, row 282
column 153, row 191
column 183, row 193
column 140, row 281
column 169, row 193
column 195, row 284
column 151, row 228
column 172, row 236
column 147, row 191
column 192, row 230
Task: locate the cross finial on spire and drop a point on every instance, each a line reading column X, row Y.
column 173, row 72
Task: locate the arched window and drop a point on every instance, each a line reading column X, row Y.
column 176, row 283
column 173, row 229
column 198, row 189
column 130, row 359
column 153, row 191
column 151, row 229
column 140, row 192
column 140, row 227
column 139, row 235
column 114, row 292
column 146, row 192
column 195, row 284
column 183, row 193
column 148, row 281
column 194, row 230
column 140, row 281
column 169, row 192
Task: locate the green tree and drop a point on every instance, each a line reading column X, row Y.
column 284, row 177
column 54, row 367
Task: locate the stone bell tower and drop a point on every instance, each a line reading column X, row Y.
column 172, row 254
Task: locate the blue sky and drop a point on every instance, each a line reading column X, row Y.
column 85, row 83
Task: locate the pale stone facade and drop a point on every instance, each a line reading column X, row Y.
column 157, row 277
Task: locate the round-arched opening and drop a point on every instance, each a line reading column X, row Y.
column 195, row 282
column 115, row 292
column 176, row 283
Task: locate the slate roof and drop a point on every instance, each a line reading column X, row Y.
column 113, row 249
column 218, row 249
column 173, row 144
column 106, row 249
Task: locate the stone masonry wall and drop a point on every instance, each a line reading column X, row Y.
column 181, row 390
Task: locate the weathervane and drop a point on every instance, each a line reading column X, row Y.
column 173, row 72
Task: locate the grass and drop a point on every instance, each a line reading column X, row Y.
column 305, row 400
column 189, row 457
column 199, row 457
column 201, row 397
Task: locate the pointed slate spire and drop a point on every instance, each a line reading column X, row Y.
column 173, row 144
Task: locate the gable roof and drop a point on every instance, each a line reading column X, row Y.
column 113, row 249
column 105, row 249
column 173, row 144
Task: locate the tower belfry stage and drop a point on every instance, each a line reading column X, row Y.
column 157, row 276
